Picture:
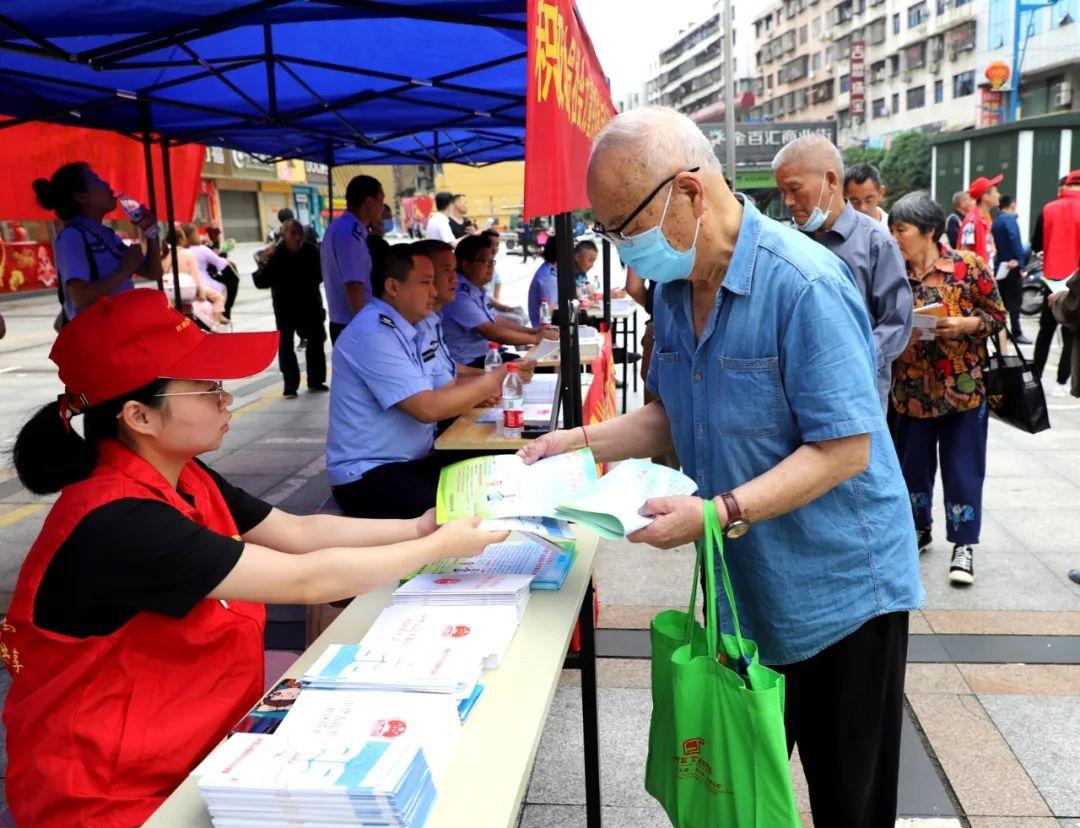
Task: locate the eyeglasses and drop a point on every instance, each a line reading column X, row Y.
column 617, row 235
column 217, row 388
column 485, row 262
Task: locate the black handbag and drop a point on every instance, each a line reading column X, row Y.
column 1013, row 393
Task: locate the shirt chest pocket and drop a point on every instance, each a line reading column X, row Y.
column 748, row 396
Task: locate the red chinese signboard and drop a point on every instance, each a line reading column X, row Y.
column 991, row 103
column 858, row 77
column 568, row 102
column 26, row 266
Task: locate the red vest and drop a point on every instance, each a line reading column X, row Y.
column 1061, row 236
column 975, row 235
column 100, row 730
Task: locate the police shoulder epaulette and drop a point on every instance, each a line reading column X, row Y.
column 429, row 354
column 357, row 233
column 386, row 320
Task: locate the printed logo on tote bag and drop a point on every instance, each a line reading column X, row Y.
column 692, row 765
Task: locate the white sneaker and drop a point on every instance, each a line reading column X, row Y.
column 962, row 568
column 1059, row 391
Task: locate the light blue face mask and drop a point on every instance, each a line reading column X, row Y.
column 817, row 217
column 652, row 256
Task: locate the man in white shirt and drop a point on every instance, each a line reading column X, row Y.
column 863, row 188
column 448, row 213
column 346, row 261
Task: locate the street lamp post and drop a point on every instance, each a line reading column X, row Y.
column 1021, row 7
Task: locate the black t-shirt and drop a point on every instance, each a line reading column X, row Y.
column 133, row 555
column 457, row 227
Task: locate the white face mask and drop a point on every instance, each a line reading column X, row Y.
column 817, row 216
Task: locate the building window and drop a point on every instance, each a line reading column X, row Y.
column 999, row 21
column 803, row 35
column 1064, row 12
column 815, row 61
column 963, row 84
column 916, row 56
column 894, row 65
column 877, row 108
column 917, row 14
column 939, row 91
column 896, row 24
column 877, row 32
column 815, row 27
column 941, row 6
column 895, row 102
column 916, row 97
column 845, row 83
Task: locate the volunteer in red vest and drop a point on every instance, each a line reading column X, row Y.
column 134, row 637
column 975, row 229
column 1059, row 241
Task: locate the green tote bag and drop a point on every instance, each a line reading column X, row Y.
column 717, row 750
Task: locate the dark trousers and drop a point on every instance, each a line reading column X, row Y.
column 1010, row 289
column 335, row 332
column 394, row 490
column 231, row 280
column 315, row 336
column 1047, row 328
column 960, row 441
column 844, row 709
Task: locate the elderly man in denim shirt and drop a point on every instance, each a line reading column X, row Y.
column 810, row 174
column 765, row 368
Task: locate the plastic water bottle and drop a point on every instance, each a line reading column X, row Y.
column 513, row 403
column 139, row 215
column 545, row 311
column 493, row 359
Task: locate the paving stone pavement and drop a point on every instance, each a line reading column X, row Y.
column 1001, row 740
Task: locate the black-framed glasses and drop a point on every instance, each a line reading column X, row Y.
column 616, row 234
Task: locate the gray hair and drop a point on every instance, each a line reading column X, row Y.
column 663, row 140
column 919, row 210
column 813, row 153
column 958, row 197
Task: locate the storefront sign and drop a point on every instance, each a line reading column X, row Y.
column 292, row 171
column 26, row 266
column 248, row 166
column 316, row 173
column 858, row 77
column 755, row 143
column 991, row 104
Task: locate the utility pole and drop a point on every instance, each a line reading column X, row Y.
column 1017, row 57
column 729, row 91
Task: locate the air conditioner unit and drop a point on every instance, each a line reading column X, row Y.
column 935, row 66
column 1064, row 95
column 906, row 77
column 953, row 51
column 810, row 75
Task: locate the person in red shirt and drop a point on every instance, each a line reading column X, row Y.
column 975, row 230
column 134, row 636
column 1060, row 243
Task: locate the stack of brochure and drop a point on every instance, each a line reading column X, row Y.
column 546, row 561
column 485, row 631
column 307, row 781
column 447, row 670
column 466, row 589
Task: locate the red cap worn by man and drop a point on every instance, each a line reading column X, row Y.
column 1061, row 231
column 975, row 229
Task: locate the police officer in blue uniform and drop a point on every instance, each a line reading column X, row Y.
column 471, row 321
column 386, row 399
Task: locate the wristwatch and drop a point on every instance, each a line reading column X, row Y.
column 736, row 526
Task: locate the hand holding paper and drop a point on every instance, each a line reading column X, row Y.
column 674, row 521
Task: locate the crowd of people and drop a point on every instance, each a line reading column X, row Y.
column 784, row 375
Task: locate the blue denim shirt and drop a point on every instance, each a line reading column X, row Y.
column 787, row 358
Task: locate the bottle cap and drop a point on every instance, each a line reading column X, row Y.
column 512, row 367
column 493, row 346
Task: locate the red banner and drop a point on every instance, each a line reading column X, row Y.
column 26, row 266
column 568, row 102
column 599, row 403
column 857, row 80
column 36, row 150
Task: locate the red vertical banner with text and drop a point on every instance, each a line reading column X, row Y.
column 568, row 102
column 858, row 78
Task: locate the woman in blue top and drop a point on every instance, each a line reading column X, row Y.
column 92, row 259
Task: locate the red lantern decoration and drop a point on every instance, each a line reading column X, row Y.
column 997, row 73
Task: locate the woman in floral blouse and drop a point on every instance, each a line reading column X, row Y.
column 938, row 390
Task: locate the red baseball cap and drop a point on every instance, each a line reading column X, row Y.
column 1073, row 179
column 123, row 342
column 977, row 188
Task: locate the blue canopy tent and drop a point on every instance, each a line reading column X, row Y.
column 337, row 81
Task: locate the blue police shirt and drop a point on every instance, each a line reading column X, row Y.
column 544, row 285
column 82, row 239
column 787, row 358
column 470, row 309
column 376, row 365
column 345, row 258
column 438, row 363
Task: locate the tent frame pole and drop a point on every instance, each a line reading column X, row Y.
column 330, row 181
column 170, row 212
column 569, row 350
column 151, row 187
column 605, row 246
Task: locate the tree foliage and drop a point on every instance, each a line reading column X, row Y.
column 904, row 165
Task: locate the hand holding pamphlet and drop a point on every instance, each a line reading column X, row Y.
column 925, row 319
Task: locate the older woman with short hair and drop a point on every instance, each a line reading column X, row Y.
column 938, row 391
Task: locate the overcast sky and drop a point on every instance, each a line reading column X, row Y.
column 629, row 36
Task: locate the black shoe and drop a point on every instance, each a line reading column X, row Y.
column 289, row 395
column 962, row 569
column 1020, row 339
column 923, row 538
column 302, row 346
column 1074, row 576
column 319, row 386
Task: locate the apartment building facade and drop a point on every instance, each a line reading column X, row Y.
column 690, row 71
column 919, row 65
